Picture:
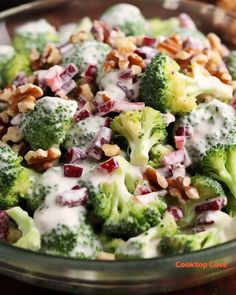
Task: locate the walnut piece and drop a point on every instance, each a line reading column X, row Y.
column 28, row 93
column 42, row 160
column 14, row 134
column 123, row 59
column 111, row 150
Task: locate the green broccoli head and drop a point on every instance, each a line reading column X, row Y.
column 48, row 123
column 112, row 200
column 146, row 244
column 128, row 18
column 183, row 243
column 77, row 241
column 231, row 64
column 142, row 130
column 15, row 180
column 110, row 244
column 211, row 123
column 207, row 188
column 83, row 132
column 19, row 63
column 6, row 54
column 219, row 163
column 34, row 35
column 164, row 88
column 87, row 53
column 31, row 238
column 157, row 152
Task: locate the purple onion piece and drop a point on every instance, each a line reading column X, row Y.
column 177, row 212
column 75, row 154
column 212, row 205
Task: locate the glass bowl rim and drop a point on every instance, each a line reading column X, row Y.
column 10, row 250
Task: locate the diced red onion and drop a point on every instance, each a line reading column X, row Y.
column 69, row 72
column 205, row 218
column 125, row 75
column 173, row 158
column 73, row 198
column 148, row 41
column 140, row 53
column 169, row 118
column 75, row 154
column 108, row 166
column 89, row 73
column 67, row 87
column 179, row 142
column 193, row 43
column 82, row 114
column 212, row 205
column 186, row 131
column 65, row 48
column 72, row 170
column 4, row 226
column 119, row 107
column 147, row 198
column 95, row 149
column 108, row 122
column 176, row 212
column 53, row 79
column 142, row 190
column 81, row 101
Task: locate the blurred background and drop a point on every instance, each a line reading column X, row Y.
column 226, row 4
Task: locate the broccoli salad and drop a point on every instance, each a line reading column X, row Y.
column 117, row 137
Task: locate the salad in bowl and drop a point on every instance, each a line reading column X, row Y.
column 118, row 137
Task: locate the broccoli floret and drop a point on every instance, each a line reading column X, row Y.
column 34, row 35
column 207, row 188
column 127, row 17
column 157, row 152
column 163, row 27
column 77, row 241
column 19, row 63
column 110, row 244
column 231, row 64
column 15, row 180
column 142, row 129
column 31, row 238
column 48, row 123
column 219, row 163
column 182, row 243
column 113, row 201
column 6, row 54
column 146, row 244
column 164, row 88
column 211, row 123
column 83, row 132
column 87, row 53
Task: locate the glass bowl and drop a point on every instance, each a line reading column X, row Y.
column 118, row 277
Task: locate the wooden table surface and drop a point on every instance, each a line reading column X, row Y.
column 226, row 286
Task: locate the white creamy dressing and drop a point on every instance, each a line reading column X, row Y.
column 109, row 82
column 52, row 214
column 36, row 27
column 52, row 103
column 122, row 14
column 82, row 133
column 225, row 223
column 6, row 53
column 209, row 124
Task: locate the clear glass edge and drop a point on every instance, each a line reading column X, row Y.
column 227, row 248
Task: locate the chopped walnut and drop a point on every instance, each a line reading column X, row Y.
column 4, row 117
column 26, row 93
column 171, row 45
column 42, row 160
column 14, row 134
column 122, row 59
column 111, row 150
column 50, row 56
column 6, row 93
column 80, row 36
